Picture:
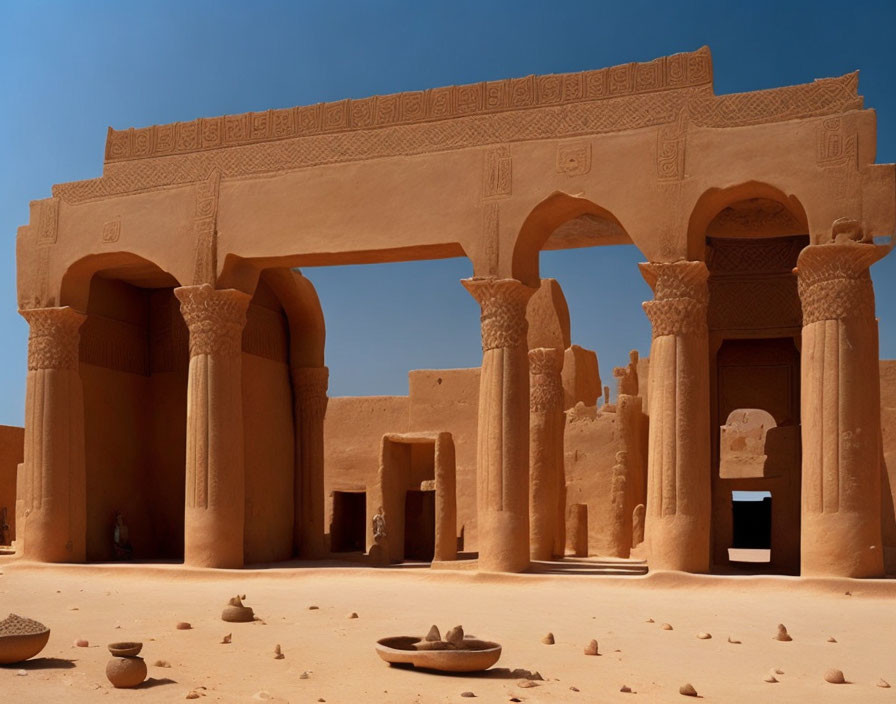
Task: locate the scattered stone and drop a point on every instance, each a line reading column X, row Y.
column 883, row 684
column 574, row 689
column 81, row 643
column 548, row 639
column 687, row 690
column 278, row 654
column 515, row 699
column 455, row 636
column 467, row 694
column 704, row 635
column 353, row 614
column 321, row 699
column 237, row 612
column 834, row 676
column 73, row 608
column 831, row 639
column 313, row 608
column 527, row 684
column 22, row 673
column 227, row 639
column 666, row 627
column 192, row 694
column 778, row 671
column 783, row 635
column 733, row 641
column 591, row 648
column 161, row 663
column 433, row 635
column 650, row 620
column 626, row 689
column 848, row 593
column 770, row 677
column 305, row 675
column 183, row 626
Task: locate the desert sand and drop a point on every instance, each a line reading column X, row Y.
column 107, row 603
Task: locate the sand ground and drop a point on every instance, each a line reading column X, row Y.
column 127, row 602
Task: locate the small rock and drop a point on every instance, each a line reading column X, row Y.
column 770, row 677
column 666, row 627
column 161, row 663
column 548, row 639
column 848, row 593
column 536, row 676
column 455, row 635
column 192, row 694
column 704, row 635
column 733, row 641
column 591, row 648
column 467, row 694
column 834, row 676
column 626, row 689
column 650, row 620
column 183, row 626
column 321, row 699
column 226, row 639
column 782, row 635
column 433, row 634
column 515, row 699
column 313, row 608
column 831, row 639
column 305, row 675
column 778, row 671
column 72, row 608
column 687, row 690
column 574, row 689
column 883, row 684
column 527, row 684
column 22, row 673
column 353, row 614
column 81, row 643
column 278, row 654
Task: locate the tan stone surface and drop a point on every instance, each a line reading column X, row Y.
column 12, row 447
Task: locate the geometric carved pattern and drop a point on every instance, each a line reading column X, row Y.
column 574, row 158
column 680, row 297
column 215, row 318
column 53, row 338
column 545, row 382
column 111, row 231
column 49, row 221
column 204, row 222
column 670, row 148
column 834, row 146
column 503, row 303
column 664, row 73
column 497, row 179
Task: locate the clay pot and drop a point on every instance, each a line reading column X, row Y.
column 126, row 672
column 477, row 655
column 125, row 650
column 21, row 647
column 237, row 614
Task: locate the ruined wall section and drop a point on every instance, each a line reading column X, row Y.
column 888, row 462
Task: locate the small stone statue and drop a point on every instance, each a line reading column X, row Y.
column 4, row 527
column 121, row 539
column 379, row 552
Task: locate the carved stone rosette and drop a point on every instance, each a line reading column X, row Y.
column 680, row 297
column 215, row 317
column 502, row 452
column 53, row 338
column 678, row 464
column 840, row 411
column 503, row 303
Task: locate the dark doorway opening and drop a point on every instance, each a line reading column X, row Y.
column 751, row 516
column 420, row 525
column 348, row 531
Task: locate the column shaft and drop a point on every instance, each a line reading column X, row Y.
column 677, row 522
column 215, row 474
column 55, row 491
column 840, row 397
column 310, row 393
column 502, row 453
column 446, row 499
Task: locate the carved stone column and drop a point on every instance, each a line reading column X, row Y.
column 677, row 523
column 215, row 491
column 546, row 474
column 840, row 397
column 55, row 491
column 309, row 385
column 502, row 453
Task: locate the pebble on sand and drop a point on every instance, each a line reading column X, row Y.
column 353, row 614
column 227, row 639
column 770, row 677
column 625, row 688
column 548, row 639
column 467, row 694
column 591, row 648
column 161, row 663
column 278, row 654
column 883, row 684
column 733, row 641
column 687, row 690
column 666, row 627
column 313, row 608
column 782, row 635
column 183, row 626
column 305, row 675
column 834, row 676
column 831, row 639
column 81, row 643
column 22, row 673
column 192, row 694
column 704, row 635
column 650, row 620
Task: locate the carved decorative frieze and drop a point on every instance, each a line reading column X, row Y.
column 834, row 281
column 680, row 297
column 835, row 145
column 670, row 149
column 574, row 158
column 111, row 231
column 53, row 338
column 215, row 318
column 309, row 385
column 545, row 382
column 503, row 303
column 497, row 179
column 49, row 221
column 204, row 229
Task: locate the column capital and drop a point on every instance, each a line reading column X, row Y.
column 834, row 282
column 53, row 338
column 545, row 382
column 680, row 299
column 503, row 303
column 215, row 318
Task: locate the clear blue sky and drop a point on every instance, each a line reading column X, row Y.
column 70, row 69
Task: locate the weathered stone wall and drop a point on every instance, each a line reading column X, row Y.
column 12, row 448
column 888, row 465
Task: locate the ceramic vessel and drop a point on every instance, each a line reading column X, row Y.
column 21, row 638
column 124, row 650
column 125, row 673
column 479, row 655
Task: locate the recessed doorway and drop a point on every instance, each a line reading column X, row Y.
column 419, row 525
column 348, row 530
column 751, row 518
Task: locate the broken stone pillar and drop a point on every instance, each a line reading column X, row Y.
column 215, row 490
column 309, row 385
column 54, row 475
column 577, row 530
column 446, row 499
column 546, row 476
column 841, row 504
column 678, row 473
column 502, row 453
column 617, row 541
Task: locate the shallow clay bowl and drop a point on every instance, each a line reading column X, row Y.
column 21, row 647
column 125, row 650
column 400, row 649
